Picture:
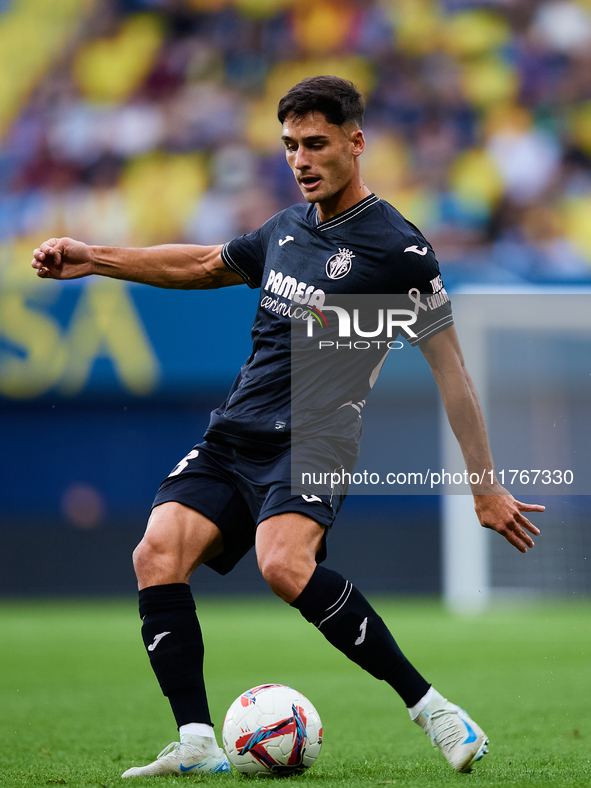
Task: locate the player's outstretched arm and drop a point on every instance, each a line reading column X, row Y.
column 181, row 266
column 495, row 507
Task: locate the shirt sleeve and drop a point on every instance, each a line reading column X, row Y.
column 246, row 254
column 423, row 292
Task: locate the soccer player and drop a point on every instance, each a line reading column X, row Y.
column 234, row 490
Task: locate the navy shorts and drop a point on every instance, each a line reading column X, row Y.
column 237, row 488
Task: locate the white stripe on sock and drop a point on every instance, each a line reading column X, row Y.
column 340, row 606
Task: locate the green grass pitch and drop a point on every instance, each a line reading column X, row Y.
column 78, row 703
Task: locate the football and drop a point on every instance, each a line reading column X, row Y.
column 272, row 730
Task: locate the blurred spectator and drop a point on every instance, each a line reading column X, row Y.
column 154, row 120
column 527, row 158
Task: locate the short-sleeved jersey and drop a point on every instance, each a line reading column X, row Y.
column 299, row 263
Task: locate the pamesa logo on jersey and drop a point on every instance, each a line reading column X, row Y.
column 280, row 286
column 339, row 264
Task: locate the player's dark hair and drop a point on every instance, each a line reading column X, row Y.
column 337, row 99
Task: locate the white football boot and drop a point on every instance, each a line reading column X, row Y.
column 458, row 737
column 192, row 755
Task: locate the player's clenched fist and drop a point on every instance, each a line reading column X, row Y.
column 63, row 258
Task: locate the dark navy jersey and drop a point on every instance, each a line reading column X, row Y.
column 302, row 266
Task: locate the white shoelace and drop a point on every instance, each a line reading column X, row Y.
column 175, row 745
column 170, row 748
column 446, row 730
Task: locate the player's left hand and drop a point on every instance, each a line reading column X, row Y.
column 503, row 514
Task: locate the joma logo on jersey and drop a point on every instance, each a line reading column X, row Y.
column 290, row 288
column 339, row 264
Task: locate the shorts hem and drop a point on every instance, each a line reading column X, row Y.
column 277, row 510
column 178, row 499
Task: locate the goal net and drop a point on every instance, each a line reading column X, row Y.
column 529, row 355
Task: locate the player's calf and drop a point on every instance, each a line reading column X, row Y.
column 347, row 620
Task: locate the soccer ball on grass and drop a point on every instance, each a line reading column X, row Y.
column 272, row 730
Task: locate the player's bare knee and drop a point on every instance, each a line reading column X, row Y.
column 141, row 558
column 151, row 560
column 283, row 576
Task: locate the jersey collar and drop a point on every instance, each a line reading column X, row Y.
column 343, row 217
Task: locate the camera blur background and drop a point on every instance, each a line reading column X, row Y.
column 138, row 122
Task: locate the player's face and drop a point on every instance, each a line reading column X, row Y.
column 322, row 156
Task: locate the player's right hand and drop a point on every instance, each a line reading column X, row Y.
column 63, row 258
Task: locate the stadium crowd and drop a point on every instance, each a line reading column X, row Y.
column 154, row 121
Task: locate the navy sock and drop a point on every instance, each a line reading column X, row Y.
column 348, row 621
column 172, row 637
